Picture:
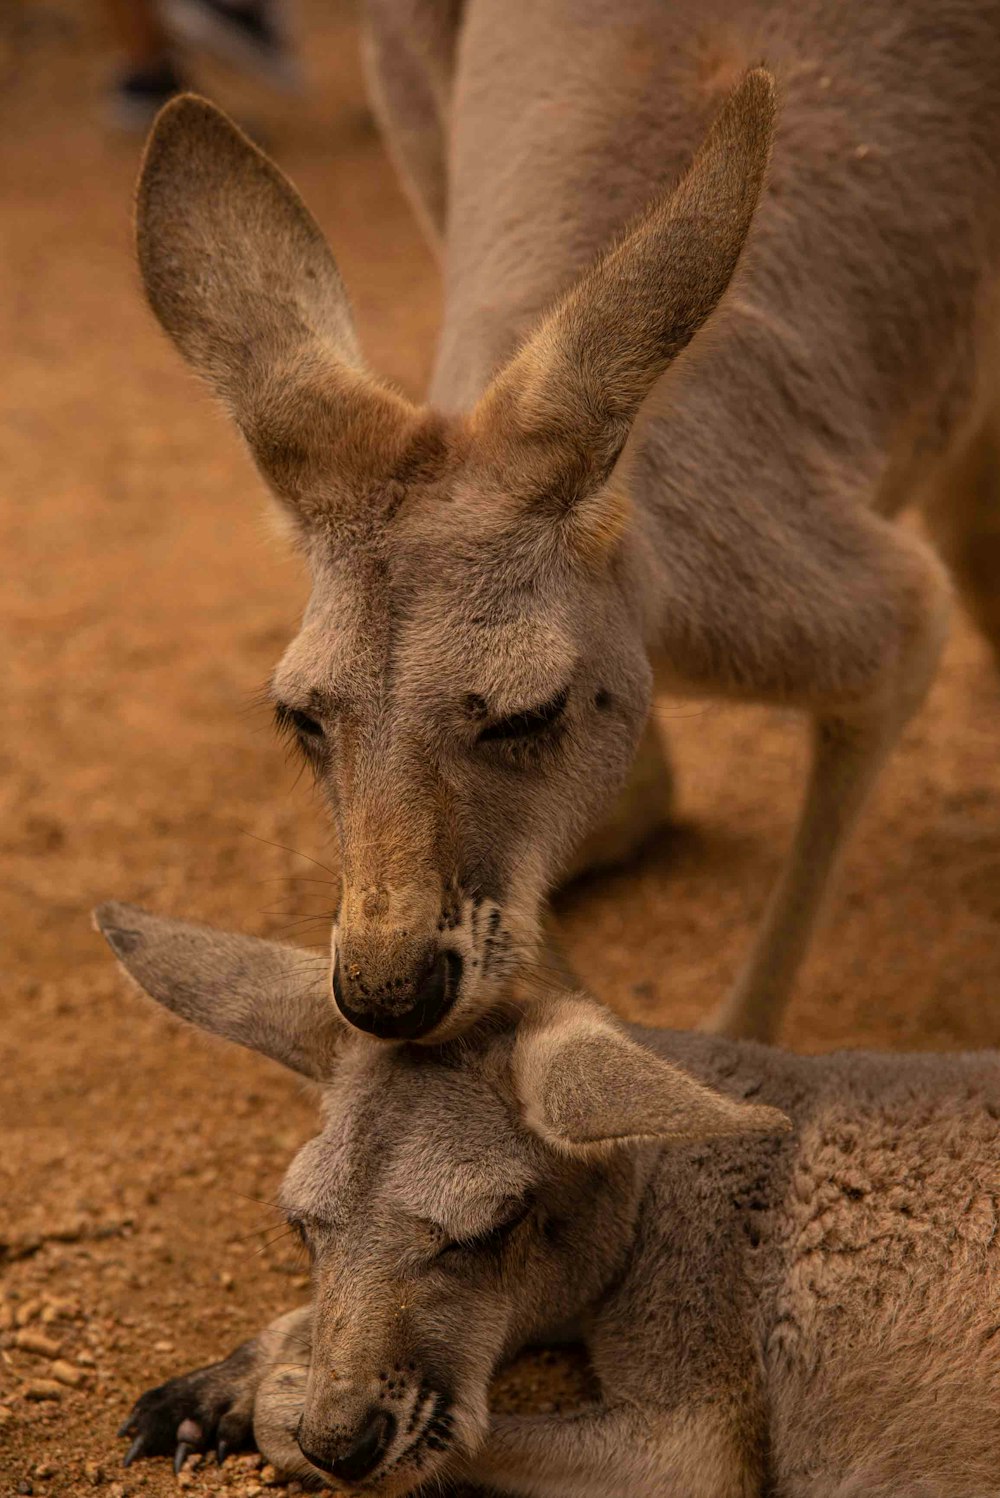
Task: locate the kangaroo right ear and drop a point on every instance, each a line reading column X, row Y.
column 271, row 998
column 558, row 415
column 584, row 1083
column 241, row 278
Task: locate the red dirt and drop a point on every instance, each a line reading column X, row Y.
column 144, row 601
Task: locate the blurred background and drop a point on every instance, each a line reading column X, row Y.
column 143, row 601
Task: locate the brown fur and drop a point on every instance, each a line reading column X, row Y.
column 804, row 1312
column 744, row 540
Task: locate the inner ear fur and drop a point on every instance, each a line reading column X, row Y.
column 555, row 420
column 264, row 995
column 584, row 1082
column 241, row 278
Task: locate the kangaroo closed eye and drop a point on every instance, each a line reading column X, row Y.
column 493, row 1238
column 292, row 720
column 530, row 721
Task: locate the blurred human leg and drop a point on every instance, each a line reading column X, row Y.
column 252, row 35
column 149, row 76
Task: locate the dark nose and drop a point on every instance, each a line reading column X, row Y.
column 356, row 1461
column 392, row 1015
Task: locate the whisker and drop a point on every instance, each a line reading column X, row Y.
column 286, row 849
column 257, row 1232
column 300, row 879
column 269, row 1243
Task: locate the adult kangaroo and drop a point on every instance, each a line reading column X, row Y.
column 498, row 573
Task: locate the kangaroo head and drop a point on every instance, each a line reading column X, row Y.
column 470, row 679
column 460, row 1201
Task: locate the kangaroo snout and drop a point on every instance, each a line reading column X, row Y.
column 397, row 1003
column 350, row 1457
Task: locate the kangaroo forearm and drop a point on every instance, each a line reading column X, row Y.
column 601, row 1451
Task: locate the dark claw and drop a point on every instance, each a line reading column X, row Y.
column 127, row 1427
column 134, row 1450
column 191, row 1414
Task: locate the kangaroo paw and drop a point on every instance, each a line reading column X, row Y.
column 209, row 1408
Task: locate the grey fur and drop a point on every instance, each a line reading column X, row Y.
column 271, row 998
column 803, row 1314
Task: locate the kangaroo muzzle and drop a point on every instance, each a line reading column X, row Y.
column 396, row 974
column 409, row 1003
column 353, row 1456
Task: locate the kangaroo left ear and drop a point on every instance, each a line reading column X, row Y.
column 583, row 1082
column 271, row 998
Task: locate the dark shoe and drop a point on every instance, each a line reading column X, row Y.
column 253, row 37
column 138, row 96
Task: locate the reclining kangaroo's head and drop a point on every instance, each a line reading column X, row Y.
column 470, row 679
column 459, row 1202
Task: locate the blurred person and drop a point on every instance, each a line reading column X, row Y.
column 150, row 74
column 251, row 35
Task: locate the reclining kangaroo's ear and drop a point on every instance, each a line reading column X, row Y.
column 268, row 997
column 241, row 278
column 558, row 415
column 583, row 1082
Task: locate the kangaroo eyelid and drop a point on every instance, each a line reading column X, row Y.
column 527, row 722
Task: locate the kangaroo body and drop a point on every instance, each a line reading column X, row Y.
column 856, row 330
column 786, row 1270
column 852, row 373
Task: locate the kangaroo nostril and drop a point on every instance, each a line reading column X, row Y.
column 358, row 1460
column 432, row 997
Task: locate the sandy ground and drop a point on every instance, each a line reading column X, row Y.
column 144, row 602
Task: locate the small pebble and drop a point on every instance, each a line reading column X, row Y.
column 42, row 1388
column 86, row 1359
column 36, row 1342
column 27, row 1312
column 43, row 1469
column 70, row 1232
column 94, row 1473
column 59, row 1307
column 163, row 1346
column 67, row 1374
column 24, row 1487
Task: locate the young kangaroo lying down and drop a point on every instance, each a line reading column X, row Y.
column 786, row 1269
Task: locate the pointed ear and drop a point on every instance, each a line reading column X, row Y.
column 271, row 998
column 241, row 278
column 561, row 411
column 584, row 1083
